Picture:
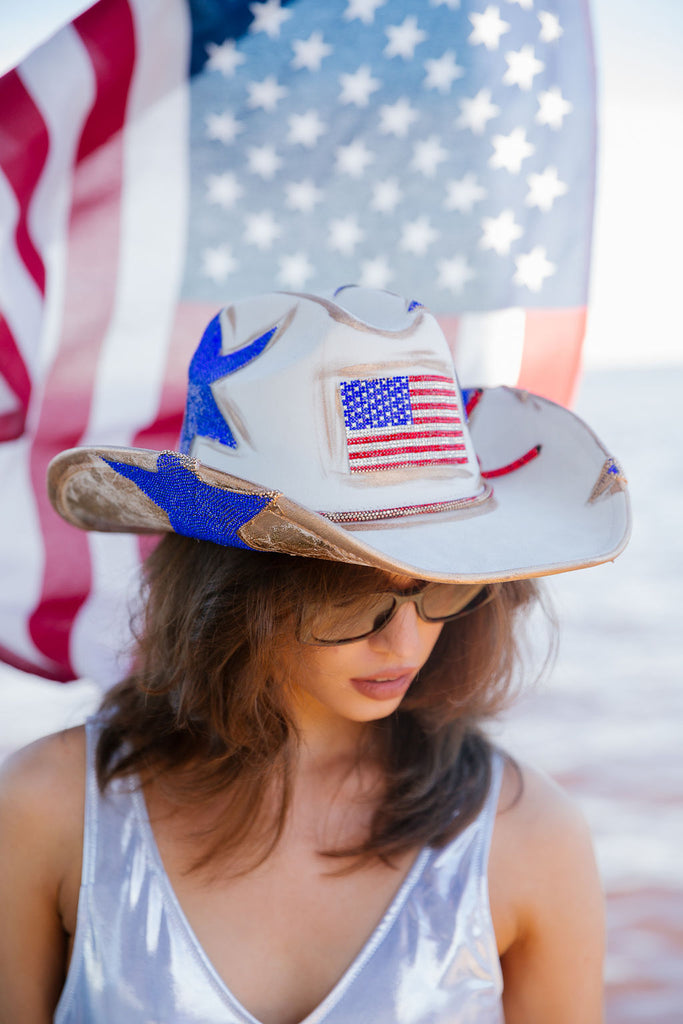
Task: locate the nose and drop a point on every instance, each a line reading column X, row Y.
column 402, row 635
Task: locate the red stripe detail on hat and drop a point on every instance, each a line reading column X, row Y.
column 438, row 392
column 381, row 452
column 512, row 466
column 432, row 377
column 434, row 460
column 420, row 406
column 473, row 401
column 407, row 436
column 439, row 419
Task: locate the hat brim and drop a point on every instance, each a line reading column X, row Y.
column 565, row 509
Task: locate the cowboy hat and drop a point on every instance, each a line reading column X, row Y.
column 336, row 428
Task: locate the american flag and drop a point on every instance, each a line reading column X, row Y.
column 161, row 157
column 393, row 422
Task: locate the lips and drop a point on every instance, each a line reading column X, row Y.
column 385, row 686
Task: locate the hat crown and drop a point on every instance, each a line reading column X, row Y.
column 349, row 403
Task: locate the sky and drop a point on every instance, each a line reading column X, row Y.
column 635, row 316
column 635, row 313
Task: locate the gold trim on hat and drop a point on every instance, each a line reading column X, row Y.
column 370, row 515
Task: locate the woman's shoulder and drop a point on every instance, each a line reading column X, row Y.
column 47, row 760
column 41, row 840
column 546, row 903
column 531, row 803
column 42, row 789
column 541, row 853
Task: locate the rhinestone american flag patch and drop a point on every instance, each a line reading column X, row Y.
column 398, row 422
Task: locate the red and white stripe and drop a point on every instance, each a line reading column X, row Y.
column 91, row 268
column 535, row 349
column 433, row 438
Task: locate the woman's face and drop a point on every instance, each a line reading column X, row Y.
column 366, row 680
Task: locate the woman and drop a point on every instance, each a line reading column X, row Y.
column 289, row 810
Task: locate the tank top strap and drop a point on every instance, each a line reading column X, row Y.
column 88, row 873
column 487, row 817
column 92, row 800
column 483, row 826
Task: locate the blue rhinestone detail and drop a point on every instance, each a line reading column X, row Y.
column 415, row 305
column 382, row 402
column 467, row 394
column 194, row 508
column 202, row 415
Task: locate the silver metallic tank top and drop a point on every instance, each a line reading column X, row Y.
column 431, row 960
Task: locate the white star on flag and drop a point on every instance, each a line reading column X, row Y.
column 223, row 189
column 264, row 161
column 403, row 39
column 358, row 87
column 427, row 155
column 510, row 150
column 224, row 57
column 261, row 229
column 302, row 195
column 305, row 129
column 363, row 10
column 544, row 189
column 223, row 127
column 500, row 232
column 269, row 16
column 454, row 273
column 552, row 108
column 463, row 193
column 533, row 268
column 397, row 118
column 386, row 195
column 218, row 263
column 551, row 30
column 294, row 270
column 266, row 94
column 354, row 158
column 345, row 234
column 442, row 72
column 477, row 111
column 417, row 236
column 488, row 28
column 375, row 273
column 523, row 66
column 310, row 53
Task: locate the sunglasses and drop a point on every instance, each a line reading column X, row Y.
column 360, row 617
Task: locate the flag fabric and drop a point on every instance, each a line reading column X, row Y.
column 161, row 157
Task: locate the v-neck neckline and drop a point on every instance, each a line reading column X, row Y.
column 346, row 979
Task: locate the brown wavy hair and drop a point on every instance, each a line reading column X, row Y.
column 206, row 704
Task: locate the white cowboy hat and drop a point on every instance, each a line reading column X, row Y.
column 335, row 428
